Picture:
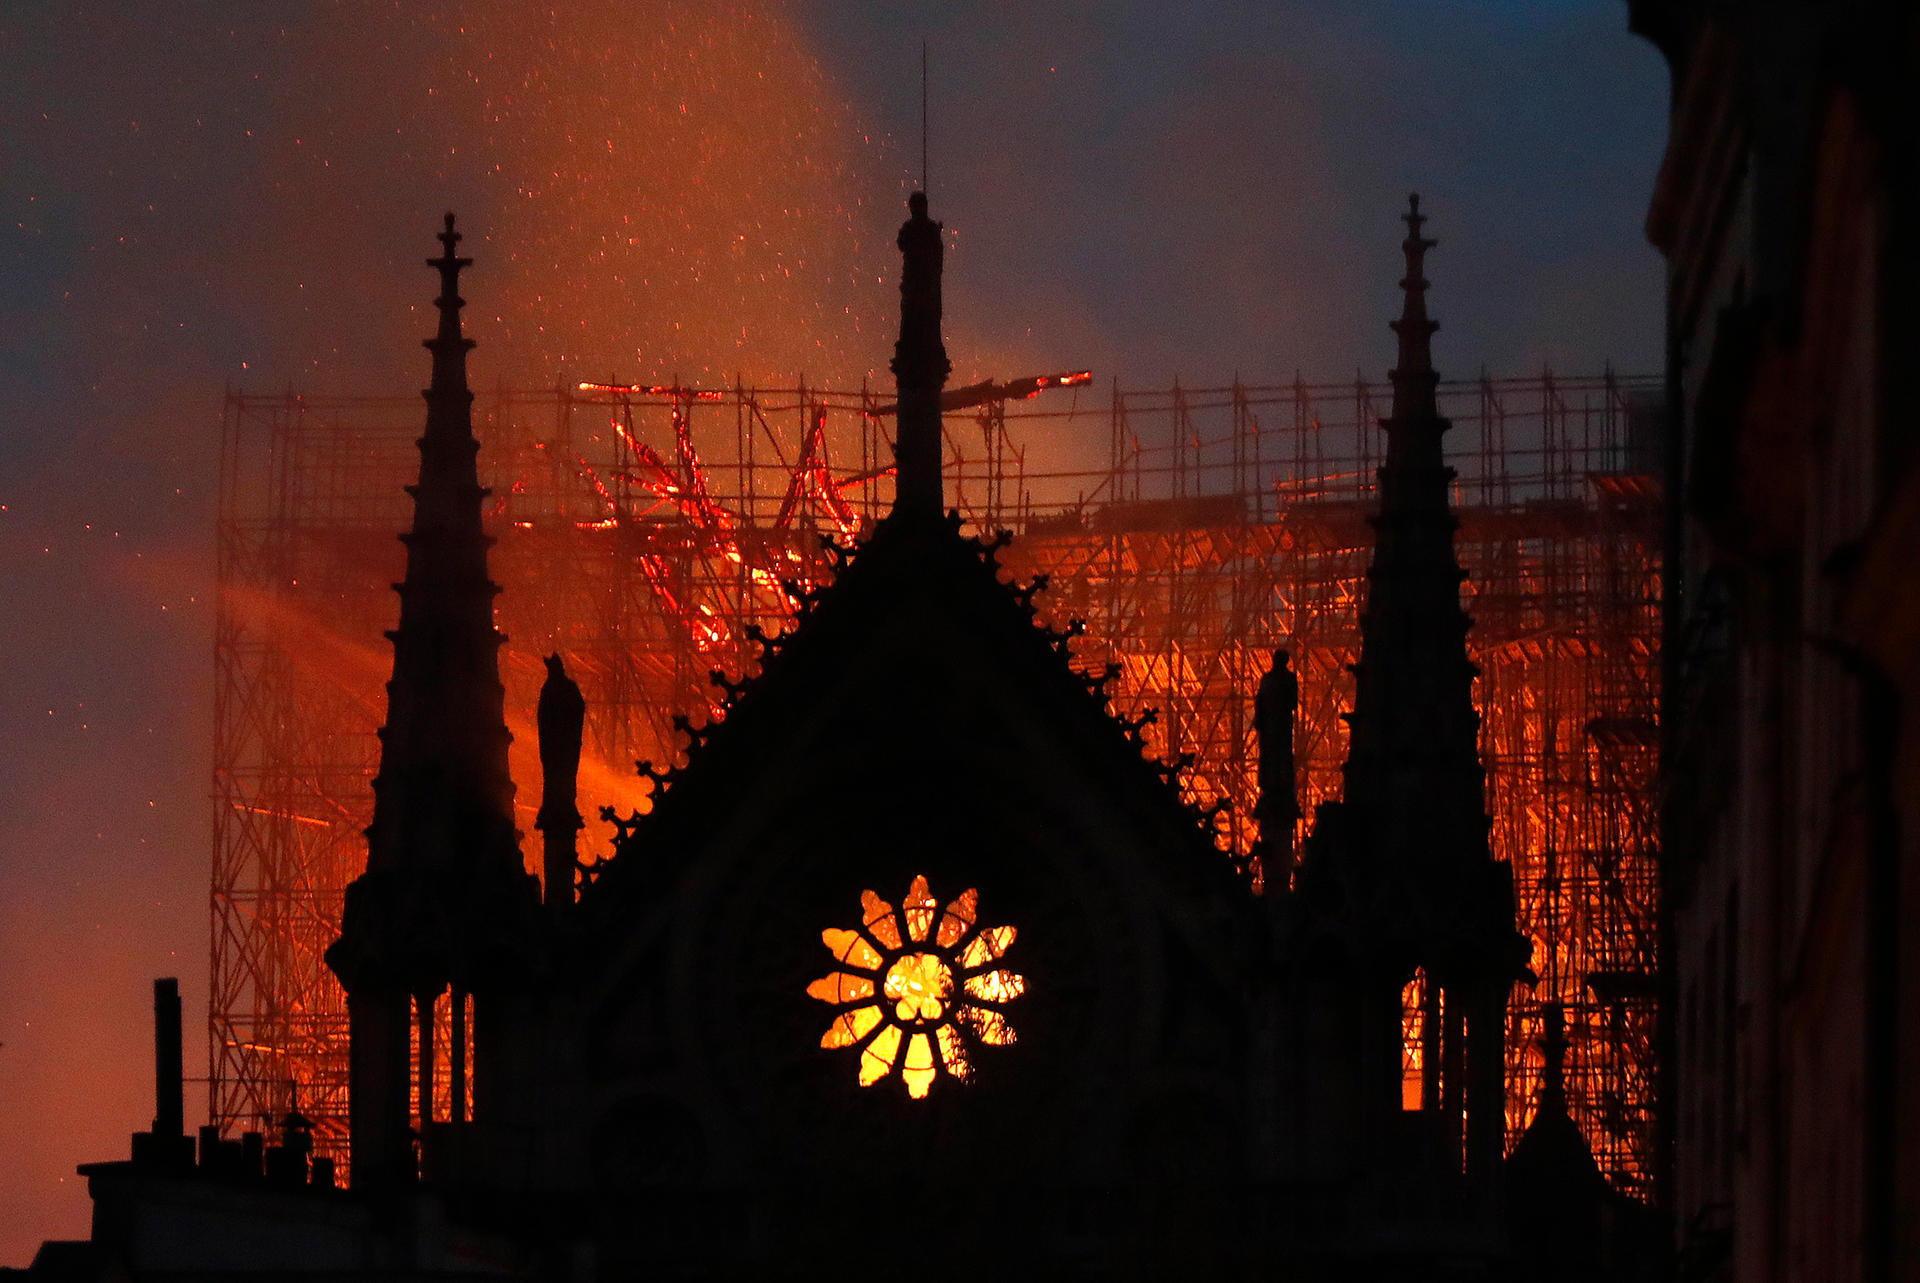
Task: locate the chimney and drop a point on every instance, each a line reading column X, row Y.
column 169, row 1085
column 166, row 1146
column 253, row 1155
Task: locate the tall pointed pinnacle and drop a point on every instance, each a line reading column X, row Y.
column 1414, row 379
column 444, row 888
column 1413, row 763
column 1399, row 876
column 449, row 346
column 443, row 798
column 920, row 366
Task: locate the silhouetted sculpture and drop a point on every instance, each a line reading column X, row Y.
column 561, row 717
column 1275, row 706
column 920, row 364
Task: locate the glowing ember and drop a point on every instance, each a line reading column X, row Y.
column 669, row 185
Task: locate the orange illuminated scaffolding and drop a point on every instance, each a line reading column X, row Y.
column 644, row 530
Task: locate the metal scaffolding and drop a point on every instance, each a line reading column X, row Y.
column 643, row 530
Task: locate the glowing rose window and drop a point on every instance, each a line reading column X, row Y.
column 922, row 999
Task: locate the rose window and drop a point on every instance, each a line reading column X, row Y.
column 920, row 1000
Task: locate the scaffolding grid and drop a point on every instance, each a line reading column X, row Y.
column 643, row 530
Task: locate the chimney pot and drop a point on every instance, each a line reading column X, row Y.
column 253, row 1153
column 168, row 1079
column 209, row 1147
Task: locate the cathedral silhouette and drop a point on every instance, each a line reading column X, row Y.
column 916, row 963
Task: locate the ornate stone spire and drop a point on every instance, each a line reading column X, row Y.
column 1414, row 763
column 1398, row 880
column 442, row 902
column 443, row 798
column 449, row 346
column 920, row 365
column 1414, row 379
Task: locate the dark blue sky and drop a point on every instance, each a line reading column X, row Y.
column 1218, row 191
column 203, row 193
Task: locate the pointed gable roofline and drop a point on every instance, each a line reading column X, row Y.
column 933, row 563
column 913, row 559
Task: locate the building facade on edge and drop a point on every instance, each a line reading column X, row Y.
column 1786, row 208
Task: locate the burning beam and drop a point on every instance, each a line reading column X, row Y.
column 987, row 391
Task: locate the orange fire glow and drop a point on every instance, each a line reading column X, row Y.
column 645, row 606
